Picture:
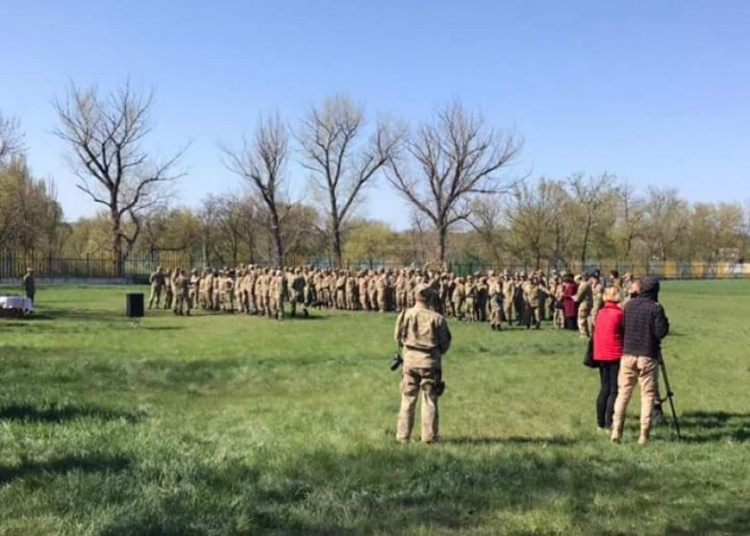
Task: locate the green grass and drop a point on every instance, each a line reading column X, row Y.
column 232, row 425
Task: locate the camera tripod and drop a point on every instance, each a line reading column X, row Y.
column 670, row 396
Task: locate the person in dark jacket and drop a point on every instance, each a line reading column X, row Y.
column 608, row 344
column 645, row 325
column 570, row 307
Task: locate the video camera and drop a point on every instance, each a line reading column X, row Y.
column 396, row 361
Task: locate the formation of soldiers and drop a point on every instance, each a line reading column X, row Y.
column 498, row 298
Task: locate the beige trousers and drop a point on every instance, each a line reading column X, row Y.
column 633, row 370
column 413, row 381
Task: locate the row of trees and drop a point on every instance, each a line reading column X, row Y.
column 599, row 217
column 453, row 171
column 440, row 168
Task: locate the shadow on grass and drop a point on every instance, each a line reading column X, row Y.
column 54, row 413
column 67, row 464
column 710, row 426
column 555, row 440
column 417, row 490
column 74, row 314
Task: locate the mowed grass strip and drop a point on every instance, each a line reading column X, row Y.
column 227, row 424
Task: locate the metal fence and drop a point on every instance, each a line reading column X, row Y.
column 13, row 265
column 138, row 267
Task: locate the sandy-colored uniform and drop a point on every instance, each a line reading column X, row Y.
column 182, row 294
column 534, row 294
column 425, row 338
column 459, row 298
column 495, row 290
column 157, row 280
column 584, row 298
column 597, row 301
column 509, row 291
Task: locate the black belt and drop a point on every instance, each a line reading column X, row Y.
column 417, row 349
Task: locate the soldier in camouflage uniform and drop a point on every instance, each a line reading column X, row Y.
column 471, row 295
column 533, row 296
column 509, row 292
column 495, row 289
column 182, row 293
column 459, row 298
column 597, row 299
column 193, row 283
column 297, row 293
column 424, row 337
column 585, row 300
column 169, row 290
column 482, row 297
column 157, row 280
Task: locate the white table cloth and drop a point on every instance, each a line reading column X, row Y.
column 21, row 303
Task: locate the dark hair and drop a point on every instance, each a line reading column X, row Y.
column 614, row 273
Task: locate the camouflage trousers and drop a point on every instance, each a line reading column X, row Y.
column 155, row 296
column 584, row 314
column 508, row 309
column 182, row 303
column 496, row 314
column 413, row 382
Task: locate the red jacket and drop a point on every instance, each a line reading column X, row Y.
column 608, row 333
column 570, row 308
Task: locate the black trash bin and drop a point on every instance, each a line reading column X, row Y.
column 134, row 305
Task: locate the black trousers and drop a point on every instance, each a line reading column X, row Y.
column 605, row 403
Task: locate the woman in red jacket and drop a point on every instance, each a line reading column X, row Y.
column 608, row 338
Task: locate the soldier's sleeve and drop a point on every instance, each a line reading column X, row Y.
column 581, row 291
column 399, row 327
column 444, row 336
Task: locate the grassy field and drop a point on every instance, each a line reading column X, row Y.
column 222, row 424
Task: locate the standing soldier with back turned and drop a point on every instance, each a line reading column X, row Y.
column 157, row 281
column 424, row 338
column 29, row 285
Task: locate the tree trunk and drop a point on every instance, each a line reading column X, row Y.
column 585, row 243
column 276, row 230
column 442, row 240
column 337, row 249
column 117, row 263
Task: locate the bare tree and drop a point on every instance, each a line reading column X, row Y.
column 457, row 158
column 486, row 219
column 229, row 216
column 208, row 217
column 631, row 216
column 262, row 163
column 106, row 135
column 340, row 161
column 590, row 196
column 668, row 218
column 11, row 139
column 531, row 214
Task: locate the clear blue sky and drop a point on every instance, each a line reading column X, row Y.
column 657, row 92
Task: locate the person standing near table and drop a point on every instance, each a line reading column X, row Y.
column 29, row 284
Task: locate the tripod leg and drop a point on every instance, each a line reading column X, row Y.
column 670, row 397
